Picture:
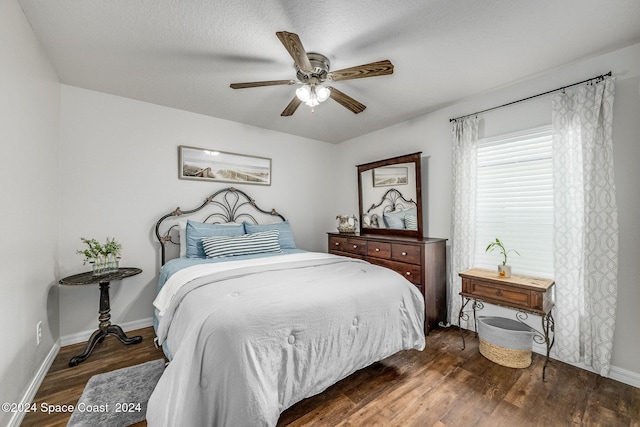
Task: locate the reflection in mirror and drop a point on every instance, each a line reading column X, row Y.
column 390, row 196
column 392, row 190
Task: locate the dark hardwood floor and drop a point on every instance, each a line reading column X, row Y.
column 440, row 386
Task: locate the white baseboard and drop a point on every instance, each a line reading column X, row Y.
column 84, row 336
column 30, row 394
column 624, row 376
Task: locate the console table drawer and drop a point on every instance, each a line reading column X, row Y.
column 348, row 244
column 379, row 250
column 487, row 291
column 406, row 253
column 411, row 272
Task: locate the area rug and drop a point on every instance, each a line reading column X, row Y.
column 117, row 398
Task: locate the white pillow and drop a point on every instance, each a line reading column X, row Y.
column 182, row 229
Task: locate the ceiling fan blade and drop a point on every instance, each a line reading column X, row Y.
column 346, row 101
column 258, row 84
column 292, row 43
column 374, row 69
column 292, row 107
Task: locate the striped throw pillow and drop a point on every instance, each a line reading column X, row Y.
column 246, row 244
column 411, row 222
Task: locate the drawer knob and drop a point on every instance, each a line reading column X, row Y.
column 337, row 243
column 404, row 253
column 355, row 246
column 408, row 273
column 499, row 292
column 377, row 249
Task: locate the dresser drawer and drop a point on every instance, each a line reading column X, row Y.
column 411, row 272
column 348, row 244
column 379, row 249
column 406, row 253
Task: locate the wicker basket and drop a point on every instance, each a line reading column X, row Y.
column 504, row 341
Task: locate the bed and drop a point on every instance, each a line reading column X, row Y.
column 257, row 324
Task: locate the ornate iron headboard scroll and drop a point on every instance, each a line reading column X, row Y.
column 392, row 200
column 228, row 205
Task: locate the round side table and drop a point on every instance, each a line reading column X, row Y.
column 105, row 328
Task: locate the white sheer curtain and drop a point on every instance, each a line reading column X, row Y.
column 585, row 225
column 464, row 137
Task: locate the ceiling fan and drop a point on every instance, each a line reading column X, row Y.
column 312, row 70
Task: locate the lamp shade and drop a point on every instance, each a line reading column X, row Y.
column 303, row 93
column 323, row 93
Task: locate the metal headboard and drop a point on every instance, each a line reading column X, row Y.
column 391, row 200
column 228, row 205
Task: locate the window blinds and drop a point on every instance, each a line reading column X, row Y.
column 515, row 201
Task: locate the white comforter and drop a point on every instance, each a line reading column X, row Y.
column 250, row 339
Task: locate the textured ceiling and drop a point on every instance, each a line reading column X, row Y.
column 184, row 54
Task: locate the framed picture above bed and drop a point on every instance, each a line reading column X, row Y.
column 212, row 165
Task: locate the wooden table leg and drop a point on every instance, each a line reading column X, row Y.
column 105, row 328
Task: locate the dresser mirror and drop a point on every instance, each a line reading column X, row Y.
column 390, row 196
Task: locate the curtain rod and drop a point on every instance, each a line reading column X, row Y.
column 600, row 77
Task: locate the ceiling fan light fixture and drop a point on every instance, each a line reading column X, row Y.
column 312, row 95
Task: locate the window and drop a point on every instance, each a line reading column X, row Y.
column 515, row 201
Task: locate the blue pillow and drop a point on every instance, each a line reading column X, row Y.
column 395, row 219
column 285, row 237
column 195, row 231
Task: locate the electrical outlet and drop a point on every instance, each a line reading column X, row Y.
column 38, row 332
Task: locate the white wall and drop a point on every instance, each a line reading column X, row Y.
column 119, row 174
column 431, row 135
column 29, row 127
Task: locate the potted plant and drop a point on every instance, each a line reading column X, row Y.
column 504, row 270
column 104, row 257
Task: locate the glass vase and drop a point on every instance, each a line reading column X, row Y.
column 504, row 270
column 105, row 264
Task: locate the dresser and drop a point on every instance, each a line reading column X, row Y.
column 421, row 260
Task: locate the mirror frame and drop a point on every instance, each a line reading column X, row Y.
column 408, row 158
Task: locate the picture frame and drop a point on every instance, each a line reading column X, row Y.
column 204, row 164
column 387, row 176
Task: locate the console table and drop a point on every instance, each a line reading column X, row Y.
column 527, row 295
column 105, row 328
